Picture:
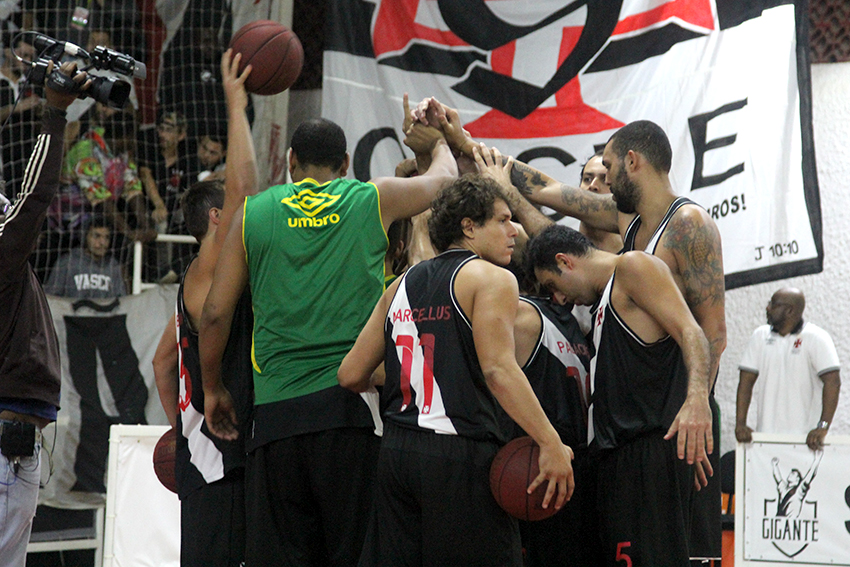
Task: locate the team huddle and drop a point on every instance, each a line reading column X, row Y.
column 326, row 416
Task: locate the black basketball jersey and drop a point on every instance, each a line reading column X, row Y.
column 558, row 371
column 201, row 457
column 634, row 226
column 636, row 387
column 433, row 379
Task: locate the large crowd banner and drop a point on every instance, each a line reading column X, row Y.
column 792, row 503
column 549, row 81
column 106, row 351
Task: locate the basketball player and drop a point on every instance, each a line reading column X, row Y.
column 210, row 472
column 649, row 216
column 313, row 251
column 649, row 381
column 445, row 333
column 554, row 356
column 593, row 179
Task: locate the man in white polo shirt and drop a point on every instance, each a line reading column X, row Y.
column 799, row 370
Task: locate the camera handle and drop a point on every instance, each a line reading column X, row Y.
column 62, row 83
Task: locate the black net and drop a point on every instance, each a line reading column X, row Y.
column 830, row 30
column 130, row 165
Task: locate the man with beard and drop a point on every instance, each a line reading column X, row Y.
column 649, row 380
column 648, row 214
column 799, row 370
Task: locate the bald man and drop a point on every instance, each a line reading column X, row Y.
column 799, row 371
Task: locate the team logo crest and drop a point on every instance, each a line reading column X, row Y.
column 492, row 48
column 790, row 522
column 310, row 203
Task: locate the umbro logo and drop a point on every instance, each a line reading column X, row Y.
column 310, row 203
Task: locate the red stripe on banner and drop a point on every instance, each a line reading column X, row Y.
column 544, row 122
column 396, row 27
column 570, row 94
column 569, row 117
column 502, row 59
column 696, row 12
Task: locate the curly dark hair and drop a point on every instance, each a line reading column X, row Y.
column 470, row 196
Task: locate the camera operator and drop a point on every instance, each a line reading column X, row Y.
column 29, row 350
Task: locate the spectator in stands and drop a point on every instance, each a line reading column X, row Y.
column 799, row 371
column 101, row 164
column 191, row 82
column 165, row 180
column 19, row 106
column 211, row 151
column 89, row 272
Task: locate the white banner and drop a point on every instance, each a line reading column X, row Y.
column 550, row 81
column 142, row 516
column 793, row 504
column 107, row 378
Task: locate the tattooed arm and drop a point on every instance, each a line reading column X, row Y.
column 693, row 239
column 490, row 165
column 597, row 211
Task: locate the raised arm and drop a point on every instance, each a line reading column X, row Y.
column 777, row 474
column 231, row 277
column 20, row 228
column 406, row 197
column 493, row 317
column 240, row 174
column 597, row 211
column 695, row 242
column 490, row 165
column 813, row 470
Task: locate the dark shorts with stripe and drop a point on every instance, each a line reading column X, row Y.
column 433, row 505
column 644, row 504
column 212, row 523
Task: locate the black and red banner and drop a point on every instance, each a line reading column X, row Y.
column 549, row 81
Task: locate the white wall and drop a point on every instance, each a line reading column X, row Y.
column 827, row 298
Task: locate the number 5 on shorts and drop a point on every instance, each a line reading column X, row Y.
column 622, row 556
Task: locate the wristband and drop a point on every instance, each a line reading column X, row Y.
column 823, row 425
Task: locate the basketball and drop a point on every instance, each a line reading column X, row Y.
column 513, row 469
column 274, row 53
column 163, row 459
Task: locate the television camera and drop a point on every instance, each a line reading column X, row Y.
column 110, row 91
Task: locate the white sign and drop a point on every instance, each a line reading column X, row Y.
column 793, row 504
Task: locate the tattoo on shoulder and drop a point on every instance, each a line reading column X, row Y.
column 698, row 251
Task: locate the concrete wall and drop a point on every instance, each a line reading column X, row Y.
column 827, row 297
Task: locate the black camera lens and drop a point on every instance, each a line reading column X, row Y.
column 109, row 91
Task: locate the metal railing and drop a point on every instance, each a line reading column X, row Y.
column 138, row 250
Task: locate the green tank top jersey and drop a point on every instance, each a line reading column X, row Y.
column 315, row 257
